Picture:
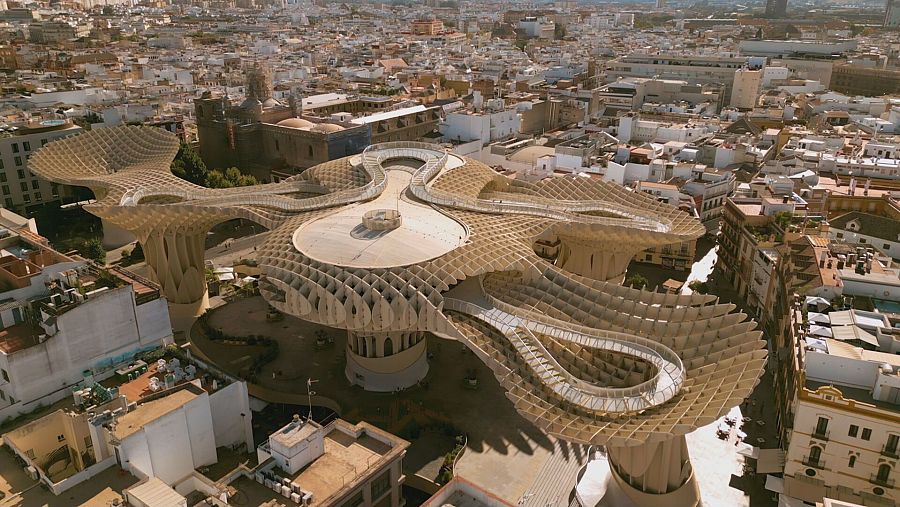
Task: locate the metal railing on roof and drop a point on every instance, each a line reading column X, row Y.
column 663, row 386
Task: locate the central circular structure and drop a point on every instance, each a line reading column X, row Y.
column 389, row 231
column 382, row 219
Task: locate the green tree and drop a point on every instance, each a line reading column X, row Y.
column 93, row 249
column 783, row 219
column 215, row 179
column 699, row 287
column 637, row 281
column 237, row 179
column 189, row 166
column 232, row 177
column 136, row 255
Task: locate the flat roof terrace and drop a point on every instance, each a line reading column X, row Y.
column 342, row 239
column 345, row 459
column 352, row 454
column 19, row 337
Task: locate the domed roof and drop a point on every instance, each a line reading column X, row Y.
column 250, row 103
column 295, row 123
column 270, row 102
column 327, row 128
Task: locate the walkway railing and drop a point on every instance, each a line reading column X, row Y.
column 663, row 386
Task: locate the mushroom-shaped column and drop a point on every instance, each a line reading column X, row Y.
column 386, row 361
column 602, row 252
column 173, row 238
column 604, row 260
column 176, row 259
column 656, row 473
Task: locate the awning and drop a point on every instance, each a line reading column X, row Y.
column 747, row 450
column 786, row 501
column 154, row 493
column 774, row 484
column 806, row 489
column 847, row 333
column 820, row 331
column 818, row 318
column 770, row 461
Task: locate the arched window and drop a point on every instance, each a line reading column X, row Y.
column 310, row 151
column 815, row 452
column 852, row 461
column 388, row 347
column 884, row 471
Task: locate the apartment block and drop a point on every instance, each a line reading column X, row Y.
column 299, row 460
column 64, row 318
column 22, row 191
column 696, row 69
column 160, row 422
column 845, row 442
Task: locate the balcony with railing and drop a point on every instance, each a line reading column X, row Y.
column 821, row 434
column 814, row 462
column 890, row 451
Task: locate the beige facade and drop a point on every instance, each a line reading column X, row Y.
column 842, row 445
column 21, row 189
column 368, row 460
column 746, row 88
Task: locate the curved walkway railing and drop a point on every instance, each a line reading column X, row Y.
column 435, row 161
column 372, row 160
column 271, row 195
column 664, row 385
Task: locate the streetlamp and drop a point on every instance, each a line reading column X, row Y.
column 309, row 395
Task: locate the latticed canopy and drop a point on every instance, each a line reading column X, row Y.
column 577, row 353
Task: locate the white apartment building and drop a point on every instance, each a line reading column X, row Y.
column 845, row 442
column 711, row 188
column 62, row 319
column 540, row 28
column 295, row 457
column 491, row 123
column 884, row 168
column 879, row 232
column 877, row 160
column 21, row 190
column 633, row 129
column 635, row 93
column 772, row 73
column 160, row 436
column 696, row 69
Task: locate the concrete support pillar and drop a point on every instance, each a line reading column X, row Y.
column 374, row 371
column 597, row 260
column 115, row 236
column 176, row 261
column 656, row 474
